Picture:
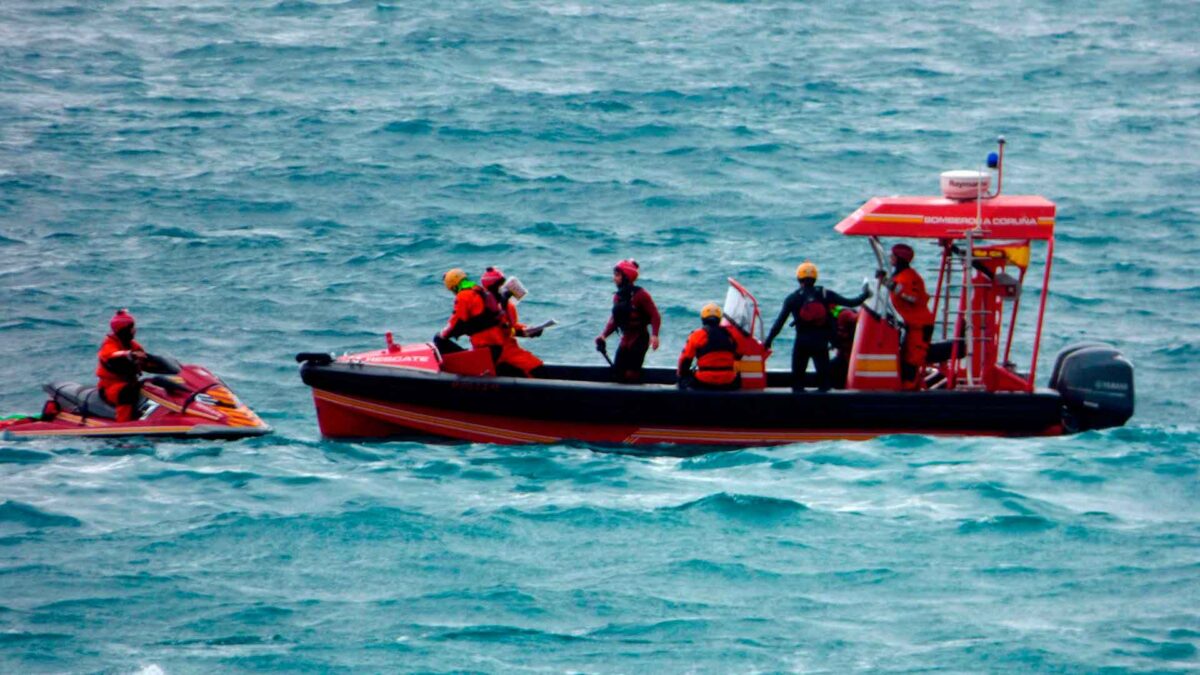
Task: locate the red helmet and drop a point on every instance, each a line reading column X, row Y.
column 121, row 320
column 492, row 276
column 903, row 252
column 628, row 269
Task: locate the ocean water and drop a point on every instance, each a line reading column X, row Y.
column 257, row 178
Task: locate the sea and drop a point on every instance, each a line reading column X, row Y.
column 257, row 178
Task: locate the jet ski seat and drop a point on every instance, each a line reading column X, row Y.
column 86, row 401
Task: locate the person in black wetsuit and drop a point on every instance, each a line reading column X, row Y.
column 810, row 308
column 636, row 316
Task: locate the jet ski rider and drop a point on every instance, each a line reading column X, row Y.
column 121, row 360
column 810, row 308
column 715, row 352
column 633, row 311
column 476, row 314
column 514, row 359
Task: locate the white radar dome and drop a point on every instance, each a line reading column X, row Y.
column 964, row 184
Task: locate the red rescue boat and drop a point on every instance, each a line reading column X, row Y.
column 969, row 384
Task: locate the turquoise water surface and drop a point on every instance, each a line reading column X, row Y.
column 264, row 177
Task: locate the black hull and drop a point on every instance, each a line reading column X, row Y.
column 576, row 408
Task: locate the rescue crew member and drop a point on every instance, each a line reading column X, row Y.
column 514, row 359
column 476, row 314
column 912, row 303
column 636, row 316
column 809, row 306
column 121, row 360
column 845, row 325
column 714, row 350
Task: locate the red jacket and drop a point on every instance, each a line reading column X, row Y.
column 115, row 365
column 472, row 316
column 633, row 316
column 910, row 299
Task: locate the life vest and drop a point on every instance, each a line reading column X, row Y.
column 118, row 370
column 626, row 316
column 715, row 358
column 813, row 311
column 492, row 316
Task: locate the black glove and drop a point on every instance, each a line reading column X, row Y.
column 601, row 343
column 533, row 332
column 767, row 346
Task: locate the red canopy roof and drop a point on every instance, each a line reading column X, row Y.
column 1004, row 217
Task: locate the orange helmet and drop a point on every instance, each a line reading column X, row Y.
column 452, row 278
column 806, row 270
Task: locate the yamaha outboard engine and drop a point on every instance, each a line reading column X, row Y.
column 1096, row 383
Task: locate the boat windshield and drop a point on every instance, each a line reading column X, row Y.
column 739, row 309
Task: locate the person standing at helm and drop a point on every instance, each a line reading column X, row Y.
column 810, row 308
column 912, row 303
column 476, row 314
column 714, row 350
column 514, row 359
column 121, row 360
column 636, row 316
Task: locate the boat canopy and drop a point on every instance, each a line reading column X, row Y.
column 1001, row 217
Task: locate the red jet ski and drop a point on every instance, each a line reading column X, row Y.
column 178, row 400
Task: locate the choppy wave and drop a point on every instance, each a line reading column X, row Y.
column 26, row 515
column 256, row 179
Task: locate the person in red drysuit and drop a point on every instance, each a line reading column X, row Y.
column 476, row 314
column 843, row 343
column 636, row 316
column 514, row 359
column 911, row 301
column 120, row 363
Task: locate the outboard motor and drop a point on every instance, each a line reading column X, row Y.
column 1096, row 383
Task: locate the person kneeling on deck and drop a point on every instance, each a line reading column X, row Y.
column 121, row 361
column 810, row 306
column 912, row 303
column 633, row 311
column 476, row 314
column 514, row 359
column 715, row 352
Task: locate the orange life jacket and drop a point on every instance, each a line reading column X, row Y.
column 479, row 315
column 715, row 352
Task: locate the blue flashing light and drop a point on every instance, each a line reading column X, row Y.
column 993, row 160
